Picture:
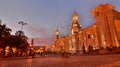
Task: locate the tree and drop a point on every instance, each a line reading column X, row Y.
column 19, row 33
column 23, row 40
column 11, row 41
column 14, row 41
column 4, row 31
column 19, row 40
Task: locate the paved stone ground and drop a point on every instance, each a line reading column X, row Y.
column 73, row 61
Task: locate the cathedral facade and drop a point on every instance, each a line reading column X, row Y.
column 104, row 33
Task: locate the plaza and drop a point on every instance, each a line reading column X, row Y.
column 112, row 60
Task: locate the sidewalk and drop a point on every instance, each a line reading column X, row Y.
column 114, row 64
column 29, row 57
column 11, row 58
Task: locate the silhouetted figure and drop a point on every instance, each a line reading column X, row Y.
column 83, row 47
column 90, row 48
column 41, row 53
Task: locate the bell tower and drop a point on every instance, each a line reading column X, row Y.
column 75, row 27
column 57, row 34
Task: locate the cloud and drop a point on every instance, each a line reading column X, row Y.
column 37, row 32
column 41, row 41
column 40, row 36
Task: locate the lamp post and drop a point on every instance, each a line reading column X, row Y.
column 22, row 23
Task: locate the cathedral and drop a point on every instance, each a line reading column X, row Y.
column 104, row 33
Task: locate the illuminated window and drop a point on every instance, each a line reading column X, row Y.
column 92, row 36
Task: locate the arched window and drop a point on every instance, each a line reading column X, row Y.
column 97, row 14
column 89, row 36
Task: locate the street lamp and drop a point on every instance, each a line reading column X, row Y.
column 22, row 23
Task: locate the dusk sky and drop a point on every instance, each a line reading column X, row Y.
column 44, row 16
